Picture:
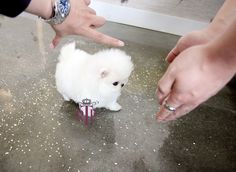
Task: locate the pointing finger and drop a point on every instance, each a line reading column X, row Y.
column 55, row 41
column 102, row 38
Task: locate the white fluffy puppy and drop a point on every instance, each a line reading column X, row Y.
column 98, row 77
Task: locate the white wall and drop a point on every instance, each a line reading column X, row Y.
column 200, row 10
column 171, row 16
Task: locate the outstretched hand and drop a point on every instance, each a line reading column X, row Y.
column 188, row 40
column 82, row 20
column 193, row 77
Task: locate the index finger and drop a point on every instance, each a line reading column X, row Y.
column 102, row 38
column 172, row 55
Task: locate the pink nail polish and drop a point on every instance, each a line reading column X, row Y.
column 159, row 120
column 51, row 46
column 121, row 44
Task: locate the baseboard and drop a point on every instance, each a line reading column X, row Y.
column 146, row 19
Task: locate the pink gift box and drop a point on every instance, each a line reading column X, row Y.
column 86, row 112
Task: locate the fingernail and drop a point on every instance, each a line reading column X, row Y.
column 51, row 46
column 160, row 120
column 121, row 43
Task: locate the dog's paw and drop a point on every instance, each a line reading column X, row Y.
column 115, row 107
column 66, row 98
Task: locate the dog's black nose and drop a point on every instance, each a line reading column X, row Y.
column 122, row 85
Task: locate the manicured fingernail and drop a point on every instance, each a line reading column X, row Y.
column 51, row 46
column 121, row 43
column 159, row 120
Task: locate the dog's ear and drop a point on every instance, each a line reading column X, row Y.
column 104, row 73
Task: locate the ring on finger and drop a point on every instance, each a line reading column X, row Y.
column 169, row 107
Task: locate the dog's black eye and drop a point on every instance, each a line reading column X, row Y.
column 122, row 85
column 115, row 83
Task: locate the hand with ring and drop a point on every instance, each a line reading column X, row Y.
column 169, row 107
column 201, row 63
column 196, row 74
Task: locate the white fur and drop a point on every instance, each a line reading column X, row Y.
column 80, row 75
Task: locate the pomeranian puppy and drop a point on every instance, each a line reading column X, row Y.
column 98, row 77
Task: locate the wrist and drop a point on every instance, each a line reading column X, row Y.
column 61, row 9
column 221, row 55
column 215, row 28
column 49, row 10
column 220, row 24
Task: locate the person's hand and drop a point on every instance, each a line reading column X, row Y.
column 82, row 20
column 193, row 77
column 188, row 40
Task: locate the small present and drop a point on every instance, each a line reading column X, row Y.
column 86, row 112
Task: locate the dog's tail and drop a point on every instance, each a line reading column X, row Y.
column 67, row 51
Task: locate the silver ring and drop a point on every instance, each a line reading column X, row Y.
column 169, row 108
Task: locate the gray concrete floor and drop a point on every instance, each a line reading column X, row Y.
column 40, row 132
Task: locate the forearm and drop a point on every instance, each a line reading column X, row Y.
column 224, row 16
column 223, row 48
column 42, row 8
